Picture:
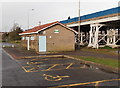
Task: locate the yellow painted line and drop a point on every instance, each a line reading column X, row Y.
column 97, row 83
column 69, row 66
column 78, row 84
column 34, row 63
column 24, row 69
column 54, row 64
column 51, row 67
column 65, row 76
column 62, row 69
column 31, row 69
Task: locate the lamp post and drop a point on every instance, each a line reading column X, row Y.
column 28, row 38
column 79, row 25
column 29, row 17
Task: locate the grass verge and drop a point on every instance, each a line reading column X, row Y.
column 104, row 61
column 105, row 50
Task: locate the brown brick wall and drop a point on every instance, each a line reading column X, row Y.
column 33, row 43
column 62, row 41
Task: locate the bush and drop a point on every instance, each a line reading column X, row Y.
column 13, row 35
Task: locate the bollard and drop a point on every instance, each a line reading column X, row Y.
column 13, row 46
column 3, row 46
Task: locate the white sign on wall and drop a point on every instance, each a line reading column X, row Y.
column 56, row 31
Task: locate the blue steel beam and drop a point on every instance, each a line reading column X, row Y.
column 93, row 15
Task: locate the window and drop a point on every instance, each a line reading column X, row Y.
column 23, row 38
column 32, row 37
column 27, row 38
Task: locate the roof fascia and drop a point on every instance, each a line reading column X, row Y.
column 27, row 33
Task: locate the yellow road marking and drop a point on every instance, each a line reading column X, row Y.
column 51, row 67
column 65, row 68
column 32, row 69
column 24, row 67
column 56, row 78
column 62, row 69
column 78, row 84
column 58, row 64
column 34, row 62
column 97, row 84
column 69, row 66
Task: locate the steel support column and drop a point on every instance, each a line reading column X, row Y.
column 94, row 34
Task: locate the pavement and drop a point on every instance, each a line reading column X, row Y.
column 77, row 52
column 54, row 72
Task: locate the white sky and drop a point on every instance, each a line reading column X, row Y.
column 47, row 11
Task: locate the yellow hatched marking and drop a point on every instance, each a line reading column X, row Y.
column 32, row 69
column 69, row 66
column 51, row 67
column 61, row 69
column 66, row 68
column 78, row 84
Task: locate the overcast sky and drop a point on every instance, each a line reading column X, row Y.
column 47, row 11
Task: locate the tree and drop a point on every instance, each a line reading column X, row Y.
column 5, row 37
column 13, row 35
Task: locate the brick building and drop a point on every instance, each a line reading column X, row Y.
column 49, row 37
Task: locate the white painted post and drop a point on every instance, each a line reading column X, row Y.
column 95, row 45
column 114, row 39
column 93, row 34
column 111, row 41
column 90, row 37
column 97, row 27
column 81, row 38
column 108, row 37
column 13, row 46
column 28, row 43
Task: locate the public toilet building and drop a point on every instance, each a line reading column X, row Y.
column 49, row 37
